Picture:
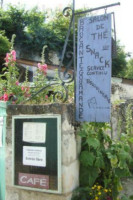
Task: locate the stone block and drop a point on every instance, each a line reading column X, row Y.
column 8, row 136
column 30, row 195
column 12, row 195
column 9, row 170
column 114, row 122
column 127, row 184
column 70, row 177
column 78, row 145
column 66, row 126
column 69, row 151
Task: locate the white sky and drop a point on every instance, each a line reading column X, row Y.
column 123, row 14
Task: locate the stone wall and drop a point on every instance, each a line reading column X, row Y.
column 118, row 122
column 118, row 117
column 70, row 152
column 120, row 90
column 35, row 56
column 71, row 145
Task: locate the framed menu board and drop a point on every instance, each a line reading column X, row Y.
column 37, row 152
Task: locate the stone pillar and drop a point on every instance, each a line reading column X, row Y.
column 70, row 151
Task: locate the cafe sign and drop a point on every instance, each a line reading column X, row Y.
column 34, row 180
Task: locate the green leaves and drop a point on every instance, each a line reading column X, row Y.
column 31, row 31
column 4, row 44
column 129, row 69
column 122, row 172
column 87, row 158
column 114, row 161
column 119, row 61
column 88, row 175
column 93, row 142
column 100, row 162
column 102, row 159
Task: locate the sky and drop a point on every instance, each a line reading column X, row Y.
column 123, row 14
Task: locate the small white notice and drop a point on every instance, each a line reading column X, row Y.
column 1, row 130
column 34, row 132
column 34, row 156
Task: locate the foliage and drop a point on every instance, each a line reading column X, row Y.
column 129, row 119
column 97, row 192
column 13, row 21
column 125, row 129
column 16, row 20
column 35, row 19
column 119, row 63
column 129, row 69
column 34, row 29
column 13, row 91
column 8, row 80
column 9, row 83
column 20, row 22
column 30, row 30
column 103, row 161
column 60, row 24
column 4, row 44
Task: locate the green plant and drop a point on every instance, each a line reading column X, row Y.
column 4, row 44
column 128, row 129
column 125, row 125
column 34, row 29
column 9, row 84
column 10, row 88
column 129, row 118
column 119, row 63
column 97, row 192
column 102, row 160
column 129, row 69
column 40, row 81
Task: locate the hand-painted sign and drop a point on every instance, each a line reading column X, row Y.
column 93, row 84
column 34, row 180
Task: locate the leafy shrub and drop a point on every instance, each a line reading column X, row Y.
column 129, row 69
column 4, row 44
column 103, row 162
column 10, row 88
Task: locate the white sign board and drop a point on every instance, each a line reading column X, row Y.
column 93, row 84
column 34, row 132
column 34, row 156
